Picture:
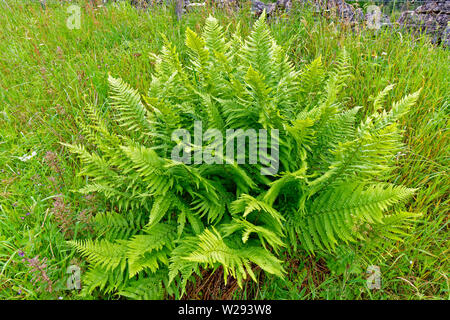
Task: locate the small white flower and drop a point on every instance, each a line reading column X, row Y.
column 26, row 157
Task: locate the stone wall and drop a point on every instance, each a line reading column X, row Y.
column 432, row 17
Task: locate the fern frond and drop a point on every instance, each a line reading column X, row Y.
column 338, row 78
column 105, row 280
column 198, row 53
column 150, row 288
column 395, row 226
column 246, row 205
column 338, row 214
column 258, row 48
column 214, row 35
column 102, row 253
column 113, row 225
column 131, row 113
column 211, row 249
column 263, row 232
column 381, row 97
column 398, row 110
column 311, row 81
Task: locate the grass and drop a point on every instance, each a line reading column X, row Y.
column 48, row 72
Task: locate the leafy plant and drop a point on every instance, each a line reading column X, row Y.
column 169, row 218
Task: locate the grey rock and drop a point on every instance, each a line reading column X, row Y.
column 258, row 7
column 285, row 5
column 431, row 18
column 446, row 37
column 359, row 15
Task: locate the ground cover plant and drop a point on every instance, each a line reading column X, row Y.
column 54, row 79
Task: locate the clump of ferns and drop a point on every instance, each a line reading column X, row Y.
column 175, row 218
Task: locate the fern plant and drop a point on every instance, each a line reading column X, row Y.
column 171, row 219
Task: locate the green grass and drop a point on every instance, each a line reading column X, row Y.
column 48, row 72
